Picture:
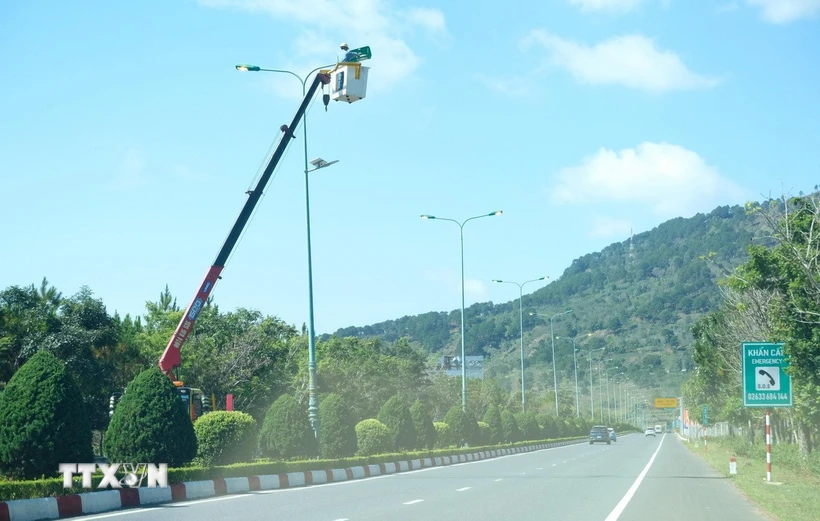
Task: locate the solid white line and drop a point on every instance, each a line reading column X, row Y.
column 619, row 508
column 198, row 501
column 125, row 513
column 413, row 502
column 463, row 489
column 342, row 519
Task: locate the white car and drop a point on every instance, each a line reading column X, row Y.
column 649, row 432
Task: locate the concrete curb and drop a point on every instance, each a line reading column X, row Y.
column 114, row 499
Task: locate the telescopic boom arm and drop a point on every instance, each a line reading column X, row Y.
column 171, row 357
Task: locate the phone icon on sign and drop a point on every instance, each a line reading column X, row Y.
column 764, row 373
column 767, row 379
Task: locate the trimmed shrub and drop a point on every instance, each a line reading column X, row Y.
column 337, row 435
column 373, row 437
column 493, row 419
column 462, row 426
column 444, row 435
column 43, row 421
column 485, row 434
column 425, row 431
column 151, row 423
column 528, row 426
column 509, row 427
column 396, row 417
column 286, row 431
column 225, row 437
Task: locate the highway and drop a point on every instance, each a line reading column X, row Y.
column 635, row 479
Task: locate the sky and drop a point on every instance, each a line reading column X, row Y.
column 128, row 140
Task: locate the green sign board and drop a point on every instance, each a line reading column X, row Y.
column 765, row 382
column 706, row 414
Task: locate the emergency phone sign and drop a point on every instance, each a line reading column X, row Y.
column 765, row 382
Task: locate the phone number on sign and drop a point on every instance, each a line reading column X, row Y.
column 766, row 396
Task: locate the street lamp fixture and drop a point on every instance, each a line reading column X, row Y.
column 463, row 348
column 248, row 68
column 321, row 163
column 521, row 322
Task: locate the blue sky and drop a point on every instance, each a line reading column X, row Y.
column 128, row 141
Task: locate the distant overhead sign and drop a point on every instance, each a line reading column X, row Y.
column 666, row 403
column 765, row 382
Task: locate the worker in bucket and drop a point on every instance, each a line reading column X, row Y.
column 350, row 56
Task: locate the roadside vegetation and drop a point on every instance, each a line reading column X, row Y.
column 794, row 498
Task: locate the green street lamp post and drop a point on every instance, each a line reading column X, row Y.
column 575, row 362
column 521, row 323
column 591, row 385
column 463, row 349
column 313, row 405
column 554, row 371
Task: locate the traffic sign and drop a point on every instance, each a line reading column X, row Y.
column 705, row 414
column 765, row 382
column 666, row 403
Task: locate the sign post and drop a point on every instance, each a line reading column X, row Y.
column 766, row 384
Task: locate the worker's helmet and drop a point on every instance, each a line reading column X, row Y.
column 344, row 47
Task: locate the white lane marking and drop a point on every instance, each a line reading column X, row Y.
column 554, row 464
column 619, row 508
column 198, row 501
column 413, row 502
column 462, row 489
column 499, row 479
column 342, row 519
column 540, row 468
column 126, row 513
column 563, row 462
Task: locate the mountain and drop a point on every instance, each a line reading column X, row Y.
column 638, row 299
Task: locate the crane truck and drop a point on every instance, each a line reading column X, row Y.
column 346, row 87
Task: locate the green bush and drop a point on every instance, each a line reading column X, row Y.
column 493, row 419
column 225, row 437
column 151, row 423
column 485, row 434
column 337, row 435
column 462, row 426
column 509, row 427
column 425, row 431
column 528, row 426
column 43, row 421
column 444, row 435
column 396, row 417
column 286, row 431
column 373, row 437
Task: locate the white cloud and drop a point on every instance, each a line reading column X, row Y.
column 606, row 5
column 632, row 61
column 515, row 87
column 326, row 23
column 785, row 11
column 474, row 289
column 609, row 227
column 130, row 171
column 728, row 7
column 670, row 179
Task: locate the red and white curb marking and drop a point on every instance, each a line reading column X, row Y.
column 114, row 499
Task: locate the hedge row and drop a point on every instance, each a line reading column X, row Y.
column 10, row 490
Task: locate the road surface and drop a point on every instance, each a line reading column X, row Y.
column 636, row 479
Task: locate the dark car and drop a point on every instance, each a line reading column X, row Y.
column 599, row 433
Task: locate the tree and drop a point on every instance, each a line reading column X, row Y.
column 151, row 423
column 286, row 431
column 43, row 421
column 337, row 433
column 493, row 419
column 425, row 430
column 509, row 427
column 396, row 417
column 463, row 426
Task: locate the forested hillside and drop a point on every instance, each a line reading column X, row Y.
column 638, row 300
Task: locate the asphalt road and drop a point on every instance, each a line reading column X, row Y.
column 635, row 479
